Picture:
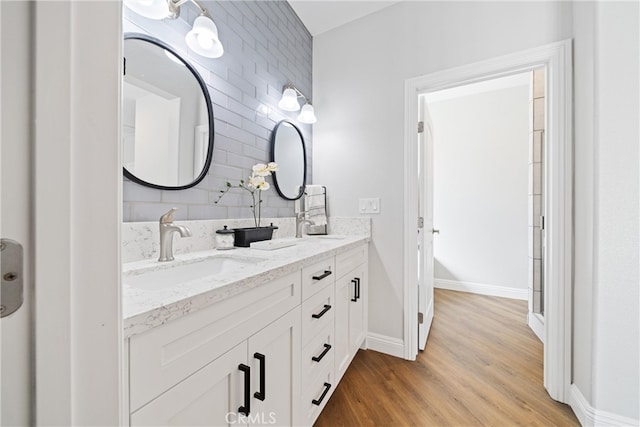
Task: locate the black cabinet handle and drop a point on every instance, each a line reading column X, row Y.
column 327, row 347
column 355, row 290
column 260, row 395
column 326, row 308
column 322, row 276
column 357, row 279
column 317, row 402
column 246, row 408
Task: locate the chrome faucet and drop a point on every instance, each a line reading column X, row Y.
column 300, row 222
column 167, row 228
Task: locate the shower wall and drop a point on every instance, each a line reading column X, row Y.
column 536, row 185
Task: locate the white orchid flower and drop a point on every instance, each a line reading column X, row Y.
column 261, row 170
column 272, row 167
column 256, row 181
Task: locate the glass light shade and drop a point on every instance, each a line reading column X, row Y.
column 307, row 115
column 289, row 101
column 203, row 38
column 153, row 9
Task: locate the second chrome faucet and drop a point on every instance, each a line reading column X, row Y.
column 167, row 228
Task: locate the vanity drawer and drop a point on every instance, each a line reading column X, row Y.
column 317, row 277
column 317, row 355
column 315, row 396
column 349, row 260
column 167, row 354
column 317, row 312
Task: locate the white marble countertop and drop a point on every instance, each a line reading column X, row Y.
column 145, row 309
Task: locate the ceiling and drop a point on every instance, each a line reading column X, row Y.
column 323, row 15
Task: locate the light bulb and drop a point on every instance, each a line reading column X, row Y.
column 307, row 115
column 153, row 9
column 203, row 38
column 205, row 41
column 289, row 101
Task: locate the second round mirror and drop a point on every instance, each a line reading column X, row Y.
column 288, row 151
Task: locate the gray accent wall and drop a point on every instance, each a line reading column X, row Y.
column 266, row 46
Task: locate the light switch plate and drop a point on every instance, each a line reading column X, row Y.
column 369, row 206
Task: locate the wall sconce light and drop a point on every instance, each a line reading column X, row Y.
column 289, row 102
column 202, row 39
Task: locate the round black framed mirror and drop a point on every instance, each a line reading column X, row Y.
column 288, row 151
column 167, row 117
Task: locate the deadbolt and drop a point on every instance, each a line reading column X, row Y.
column 12, row 292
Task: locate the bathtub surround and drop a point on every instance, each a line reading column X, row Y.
column 266, row 47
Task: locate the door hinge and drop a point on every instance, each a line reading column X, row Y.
column 542, row 222
column 420, row 318
column 420, row 222
column 420, row 126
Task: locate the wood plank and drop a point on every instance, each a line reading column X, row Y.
column 482, row 366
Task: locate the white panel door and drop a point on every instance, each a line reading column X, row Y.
column 425, row 227
column 15, row 208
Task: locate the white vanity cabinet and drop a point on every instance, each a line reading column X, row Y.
column 276, row 350
column 207, row 368
column 351, row 308
column 318, row 314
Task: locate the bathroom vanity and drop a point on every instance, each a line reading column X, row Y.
column 263, row 340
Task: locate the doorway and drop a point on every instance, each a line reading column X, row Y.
column 556, row 58
column 489, row 189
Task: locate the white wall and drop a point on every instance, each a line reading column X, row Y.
column 616, row 319
column 583, row 196
column 606, row 306
column 481, row 188
column 359, row 74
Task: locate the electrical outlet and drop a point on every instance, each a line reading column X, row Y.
column 369, row 206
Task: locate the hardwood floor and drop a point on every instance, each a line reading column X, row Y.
column 482, row 366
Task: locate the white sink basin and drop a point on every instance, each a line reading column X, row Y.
column 165, row 275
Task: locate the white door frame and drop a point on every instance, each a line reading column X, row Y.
column 558, row 195
column 78, row 203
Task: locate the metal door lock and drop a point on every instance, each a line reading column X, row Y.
column 12, row 292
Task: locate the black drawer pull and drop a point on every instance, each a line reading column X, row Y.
column 317, row 402
column 326, row 308
column 260, row 395
column 246, row 408
column 355, row 290
column 357, row 279
column 322, row 276
column 327, row 347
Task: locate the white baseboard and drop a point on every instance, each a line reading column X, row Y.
column 385, row 344
column 536, row 323
column 482, row 289
column 590, row 416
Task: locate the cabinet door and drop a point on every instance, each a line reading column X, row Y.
column 357, row 322
column 350, row 317
column 274, row 356
column 211, row 396
column 344, row 293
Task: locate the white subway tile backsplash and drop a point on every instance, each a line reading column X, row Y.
column 140, row 240
column 266, row 46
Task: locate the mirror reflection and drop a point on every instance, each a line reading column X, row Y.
column 288, row 151
column 167, row 120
